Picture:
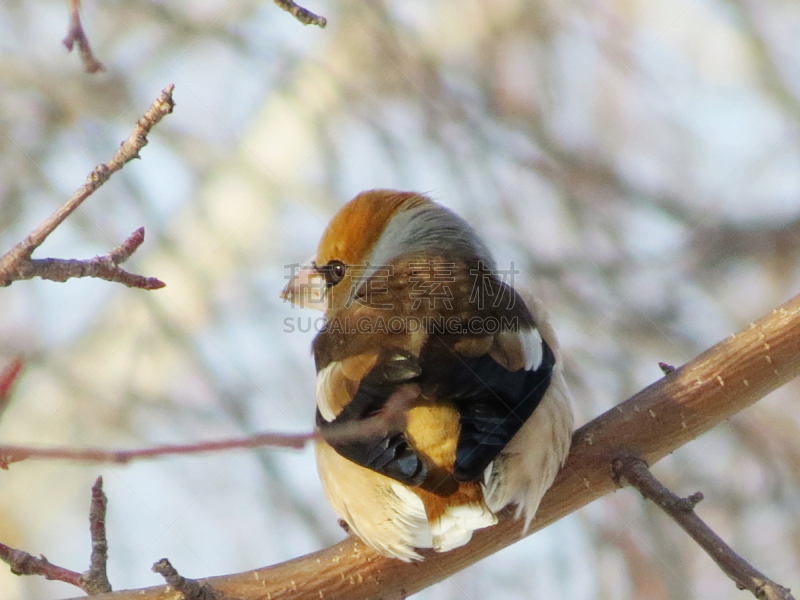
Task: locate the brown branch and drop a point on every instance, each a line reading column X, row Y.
column 666, row 368
column 100, row 267
column 189, row 589
column 633, row 471
column 17, row 261
column 653, row 423
column 95, row 580
column 76, row 35
column 12, row 454
column 305, row 16
column 22, row 563
column 7, row 379
column 391, row 417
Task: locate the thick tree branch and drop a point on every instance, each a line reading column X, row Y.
column 655, row 422
column 16, row 264
column 633, row 471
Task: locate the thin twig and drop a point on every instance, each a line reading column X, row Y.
column 666, row 368
column 7, row 379
column 391, row 417
column 11, row 454
column 635, row 472
column 190, row 589
column 15, row 263
column 100, row 267
column 22, row 563
column 305, row 16
column 76, row 35
column 95, row 580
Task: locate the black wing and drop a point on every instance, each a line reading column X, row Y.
column 492, row 401
column 390, row 455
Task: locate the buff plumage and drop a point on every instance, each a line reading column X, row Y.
column 415, row 308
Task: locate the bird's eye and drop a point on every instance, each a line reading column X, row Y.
column 334, row 272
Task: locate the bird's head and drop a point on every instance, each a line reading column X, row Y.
column 372, row 230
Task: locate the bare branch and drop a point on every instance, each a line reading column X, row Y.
column 190, row 589
column 391, row 417
column 7, row 379
column 22, row 563
column 95, row 580
column 666, row 368
column 633, row 471
column 101, row 267
column 11, row 454
column 17, row 262
column 76, row 35
column 655, row 422
column 305, row 16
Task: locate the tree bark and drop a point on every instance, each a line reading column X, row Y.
column 653, row 423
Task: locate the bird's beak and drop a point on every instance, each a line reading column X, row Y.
column 306, row 287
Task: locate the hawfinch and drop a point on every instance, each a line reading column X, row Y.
column 419, row 317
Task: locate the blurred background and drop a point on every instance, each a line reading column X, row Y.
column 637, row 160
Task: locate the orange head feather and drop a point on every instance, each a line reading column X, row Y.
column 354, row 231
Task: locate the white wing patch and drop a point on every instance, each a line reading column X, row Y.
column 516, row 350
column 323, row 383
column 531, row 348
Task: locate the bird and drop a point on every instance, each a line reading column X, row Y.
column 441, row 398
